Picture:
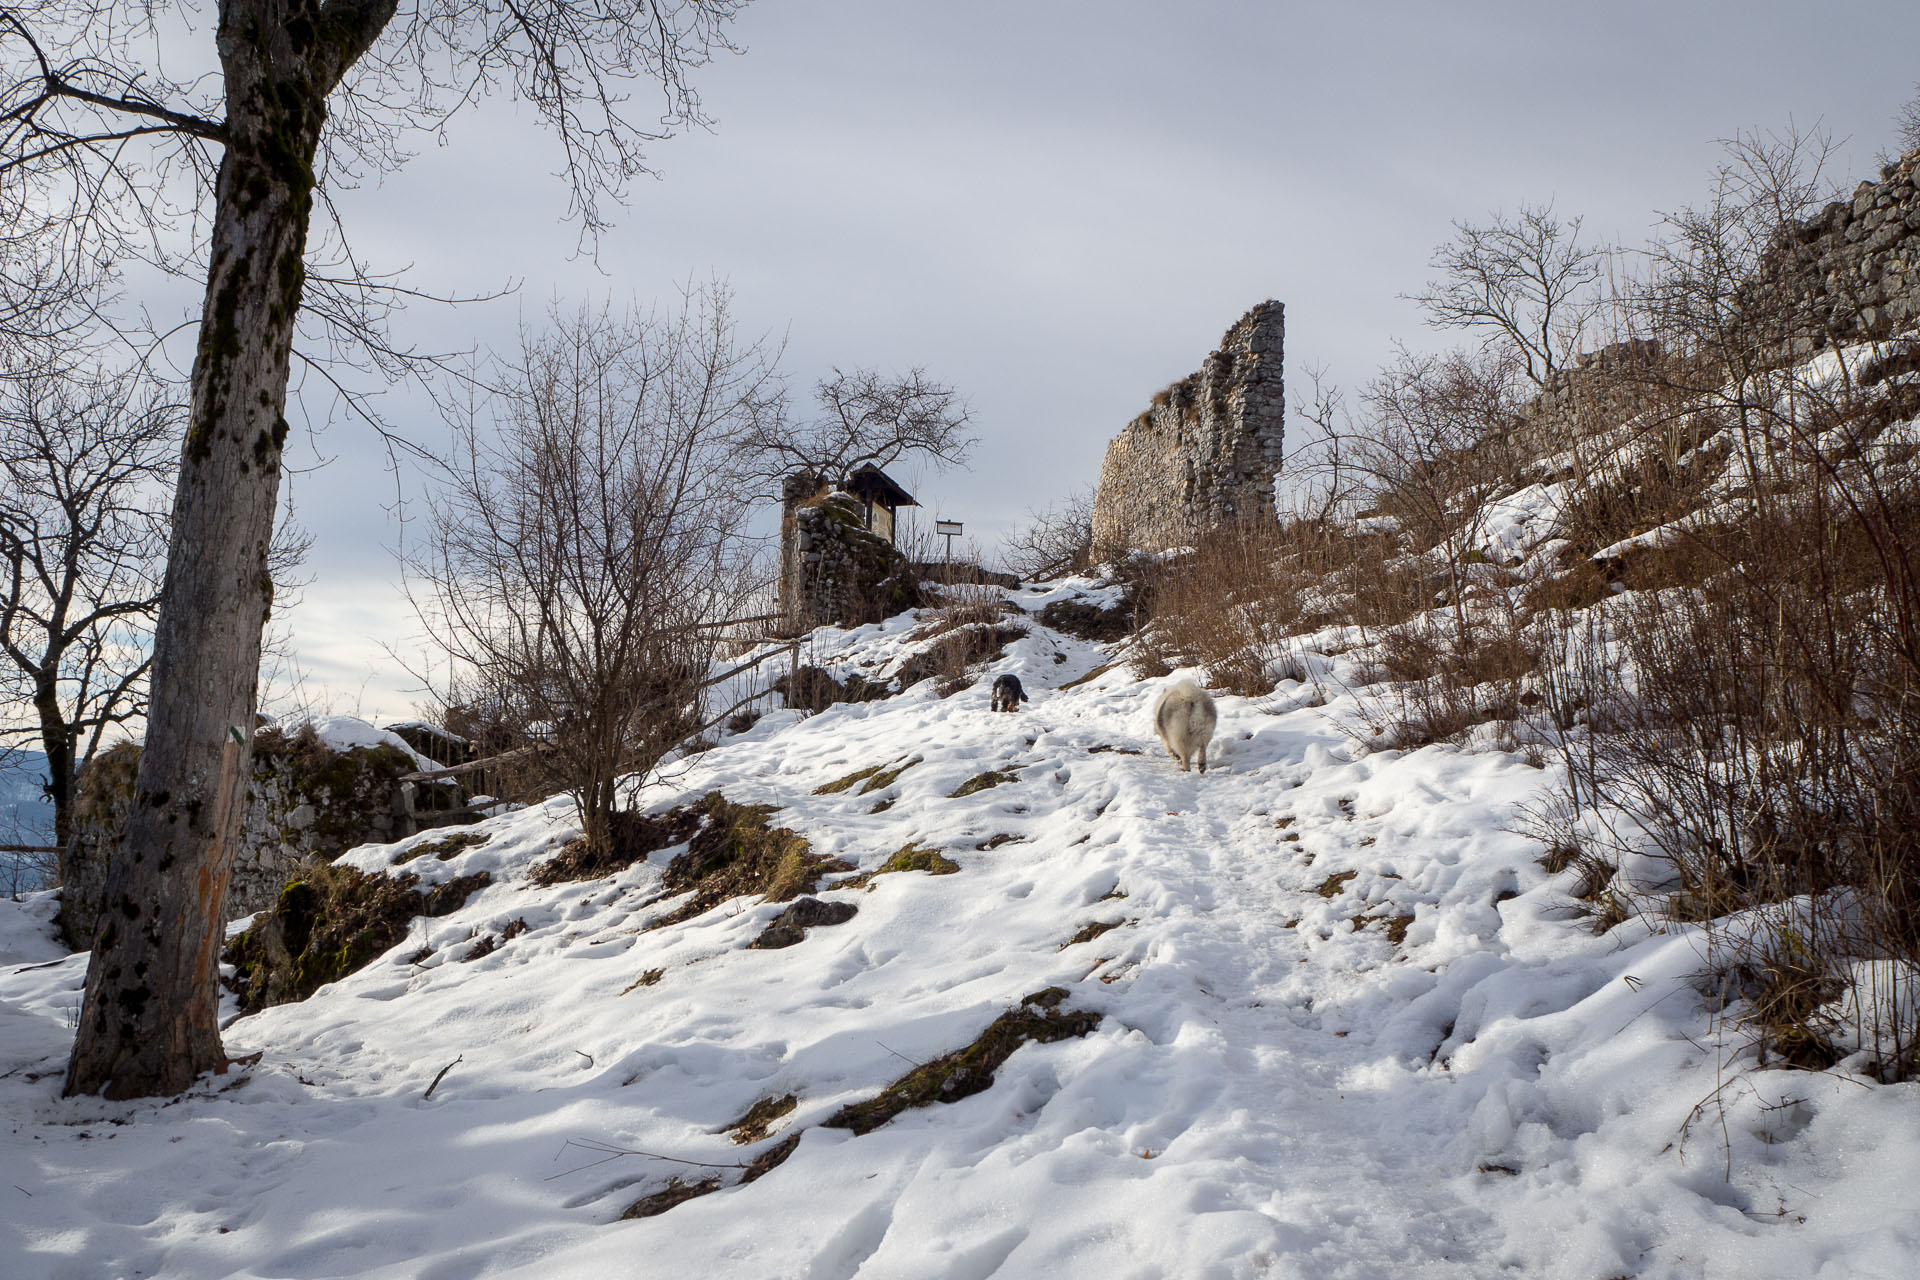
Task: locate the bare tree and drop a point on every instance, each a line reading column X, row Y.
column 865, row 417
column 588, row 537
column 1056, row 541
column 220, row 170
column 84, row 463
column 1525, row 281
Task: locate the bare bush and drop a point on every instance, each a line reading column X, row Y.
column 1906, row 131
column 585, row 540
column 1054, row 542
column 1758, row 724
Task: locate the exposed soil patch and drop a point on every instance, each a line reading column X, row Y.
column 443, row 849
column 1091, row 931
column 631, row 837
column 887, row 777
column 735, row 853
column 675, row 1192
column 815, row 689
column 1092, row 675
column 790, row 927
column 759, row 1119
column 968, row 1071
column 982, row 781
column 956, row 653
column 1090, row 621
column 646, row 979
column 877, row 778
column 853, row 779
column 329, row 923
column 770, row 1159
column 1333, row 884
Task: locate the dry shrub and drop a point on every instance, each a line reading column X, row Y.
column 811, row 688
column 1437, row 677
column 953, row 657
column 1651, row 490
column 1770, row 750
column 963, row 605
column 1229, row 606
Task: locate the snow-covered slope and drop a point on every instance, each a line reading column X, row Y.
column 1349, row 1028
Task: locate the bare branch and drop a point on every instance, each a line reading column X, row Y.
column 1526, row 281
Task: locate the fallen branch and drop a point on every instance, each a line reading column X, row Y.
column 442, row 1076
column 610, row 1153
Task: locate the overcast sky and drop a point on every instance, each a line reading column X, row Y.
column 1059, row 207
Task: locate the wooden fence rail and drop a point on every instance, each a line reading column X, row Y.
column 407, row 818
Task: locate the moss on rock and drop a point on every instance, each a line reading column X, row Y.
column 908, row 857
column 964, row 1072
column 443, row 849
column 328, row 923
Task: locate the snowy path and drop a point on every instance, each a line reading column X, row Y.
column 1348, row 1032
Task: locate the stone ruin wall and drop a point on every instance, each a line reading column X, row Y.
column 832, row 569
column 1612, row 385
column 1852, row 271
column 301, row 808
column 1206, row 453
column 1849, row 273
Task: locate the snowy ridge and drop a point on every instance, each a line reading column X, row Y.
column 1349, row 1029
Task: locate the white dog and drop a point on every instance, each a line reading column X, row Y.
column 1185, row 717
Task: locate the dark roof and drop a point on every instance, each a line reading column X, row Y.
column 875, row 485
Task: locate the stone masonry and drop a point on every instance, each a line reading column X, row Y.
column 1850, row 272
column 304, row 804
column 833, row 570
column 1853, row 270
column 1206, row 452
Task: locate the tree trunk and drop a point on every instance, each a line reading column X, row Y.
column 56, row 741
column 148, row 1025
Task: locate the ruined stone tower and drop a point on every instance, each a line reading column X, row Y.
column 1206, row 452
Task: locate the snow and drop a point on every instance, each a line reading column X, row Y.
column 348, row 733
column 1513, row 527
column 1276, row 1087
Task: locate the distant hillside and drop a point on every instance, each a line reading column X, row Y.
column 25, row 815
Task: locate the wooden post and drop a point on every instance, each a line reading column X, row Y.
column 404, row 822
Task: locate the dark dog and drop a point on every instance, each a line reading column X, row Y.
column 1007, row 693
